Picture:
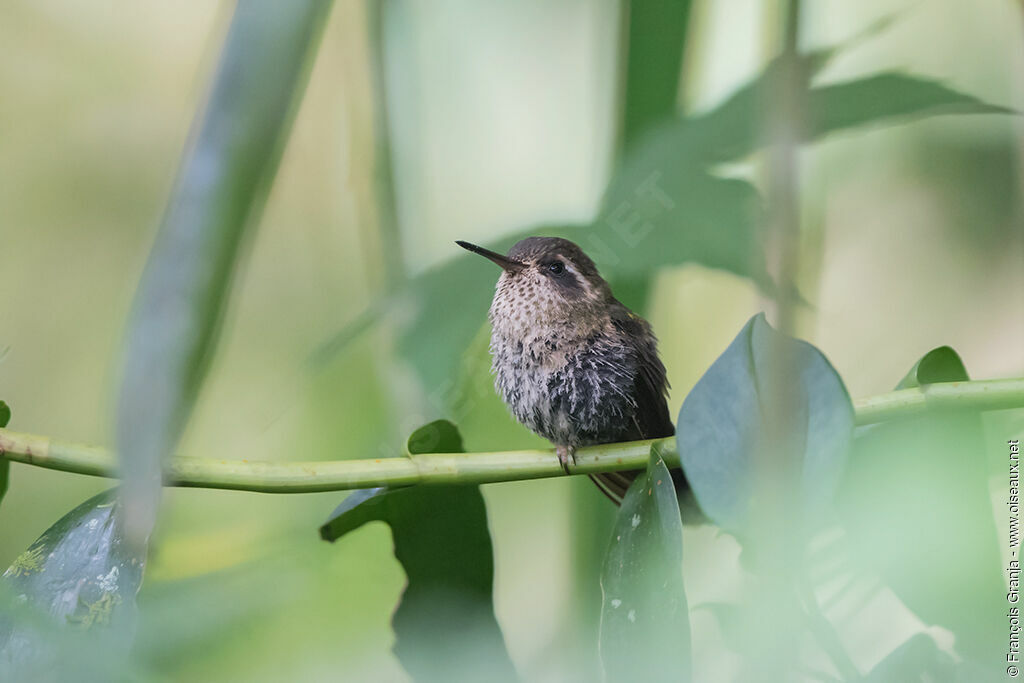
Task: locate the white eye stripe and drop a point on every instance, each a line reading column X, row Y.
column 572, row 271
column 567, row 264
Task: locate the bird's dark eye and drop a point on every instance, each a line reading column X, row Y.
column 556, row 267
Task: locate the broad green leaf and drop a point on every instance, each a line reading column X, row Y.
column 218, row 197
column 916, row 495
column 5, row 464
column 721, row 425
column 645, row 621
column 444, row 626
column 80, row 573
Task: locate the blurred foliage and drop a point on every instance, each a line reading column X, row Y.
column 238, row 140
column 645, row 620
column 444, row 624
column 81, row 574
column 918, row 659
column 5, row 465
column 723, row 427
column 655, row 46
column 988, row 211
column 665, row 206
column 917, row 508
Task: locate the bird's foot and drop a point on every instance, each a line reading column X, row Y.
column 566, row 456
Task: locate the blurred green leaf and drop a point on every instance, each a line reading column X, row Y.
column 5, row 464
column 656, row 35
column 634, row 292
column 733, row 129
column 917, row 508
column 664, row 215
column 220, row 191
column 645, row 621
column 887, row 98
column 663, row 207
column 917, row 659
column 444, row 626
column 720, row 424
column 80, row 572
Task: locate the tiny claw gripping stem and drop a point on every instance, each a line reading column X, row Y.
column 566, row 455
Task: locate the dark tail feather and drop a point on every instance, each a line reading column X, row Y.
column 615, row 484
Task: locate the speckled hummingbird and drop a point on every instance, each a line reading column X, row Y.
column 572, row 363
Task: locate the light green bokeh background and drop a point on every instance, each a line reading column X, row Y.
column 502, row 116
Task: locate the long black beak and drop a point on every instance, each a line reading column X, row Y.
column 503, row 261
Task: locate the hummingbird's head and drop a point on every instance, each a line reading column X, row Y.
column 545, row 281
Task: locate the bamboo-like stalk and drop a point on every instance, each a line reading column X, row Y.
column 466, row 468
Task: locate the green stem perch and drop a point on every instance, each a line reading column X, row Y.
column 979, row 395
column 332, row 475
column 466, row 468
